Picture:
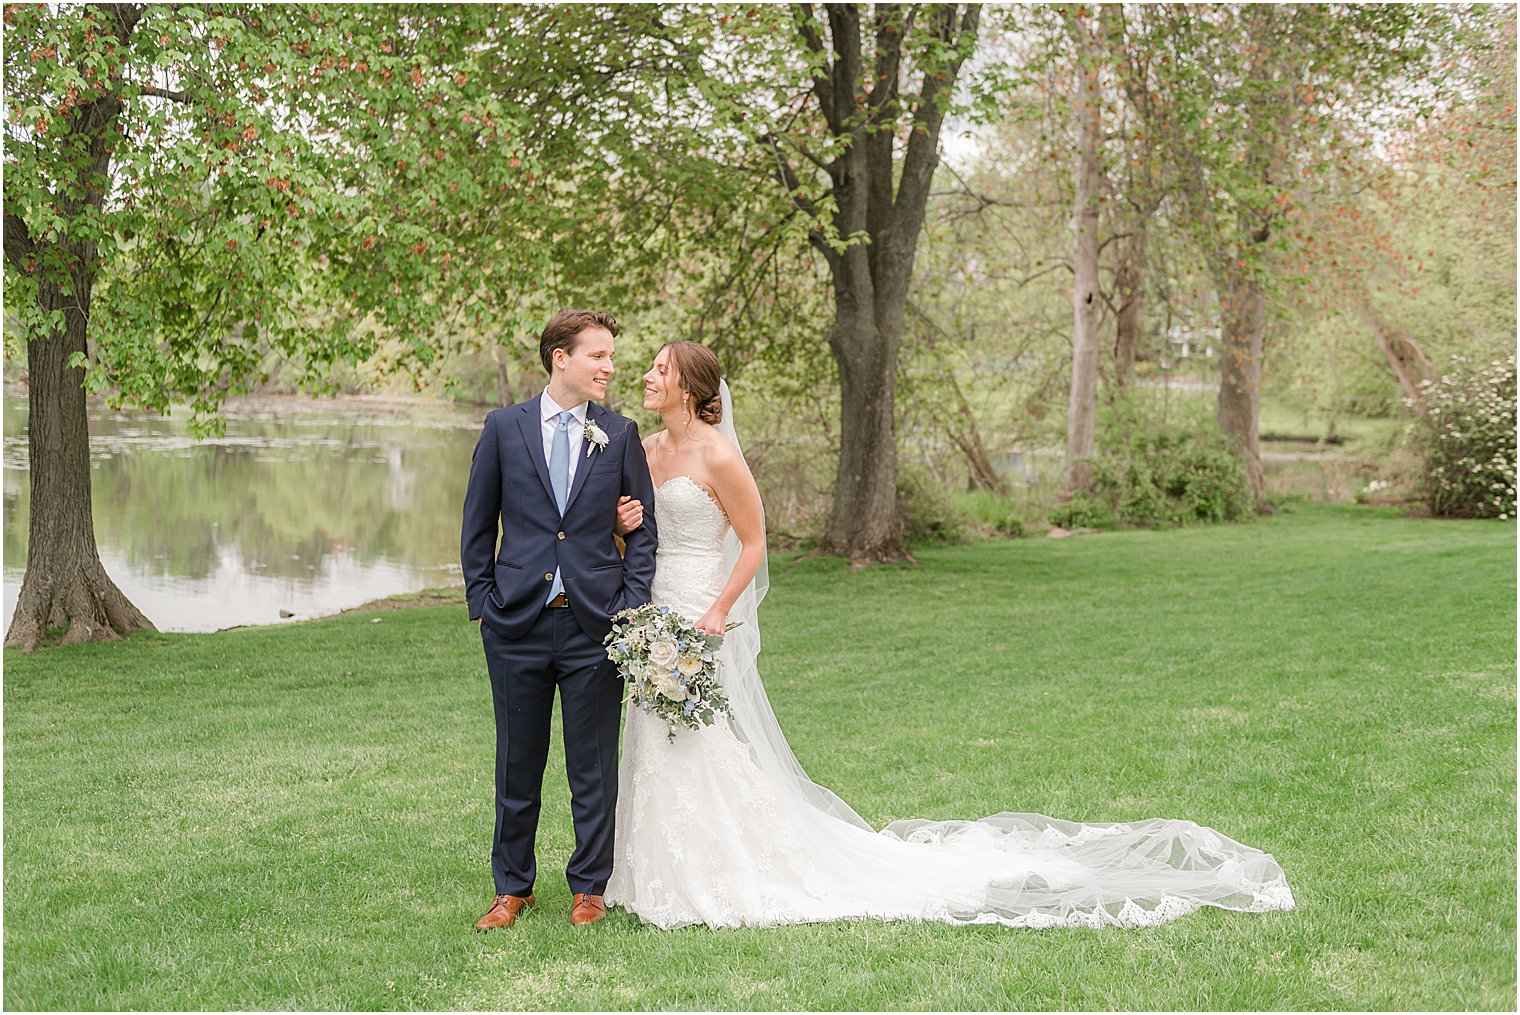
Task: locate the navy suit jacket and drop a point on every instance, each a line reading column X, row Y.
column 509, row 485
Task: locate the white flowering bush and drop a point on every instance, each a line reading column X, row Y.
column 1370, row 492
column 1467, row 439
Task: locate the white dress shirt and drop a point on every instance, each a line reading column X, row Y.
column 549, row 408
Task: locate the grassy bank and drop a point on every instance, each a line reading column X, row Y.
column 297, row 817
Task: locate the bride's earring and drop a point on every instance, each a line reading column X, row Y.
column 686, row 408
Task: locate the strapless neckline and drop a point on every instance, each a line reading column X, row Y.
column 695, row 486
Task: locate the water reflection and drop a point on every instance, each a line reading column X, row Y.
column 304, row 506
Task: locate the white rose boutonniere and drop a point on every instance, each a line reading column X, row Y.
column 596, row 437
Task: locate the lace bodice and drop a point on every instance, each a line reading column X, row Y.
column 688, row 568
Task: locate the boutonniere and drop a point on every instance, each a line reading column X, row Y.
column 596, row 438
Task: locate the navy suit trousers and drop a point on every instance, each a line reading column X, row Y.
column 555, row 652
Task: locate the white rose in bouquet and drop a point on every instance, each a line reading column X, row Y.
column 668, row 684
column 690, row 664
column 663, row 654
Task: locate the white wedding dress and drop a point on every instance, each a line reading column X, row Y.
column 722, row 827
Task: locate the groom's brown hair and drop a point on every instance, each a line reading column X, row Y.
column 561, row 330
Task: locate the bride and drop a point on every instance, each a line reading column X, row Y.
column 723, row 827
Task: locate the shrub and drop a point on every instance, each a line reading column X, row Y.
column 928, row 517
column 1082, row 511
column 995, row 514
column 1152, row 471
column 1466, row 437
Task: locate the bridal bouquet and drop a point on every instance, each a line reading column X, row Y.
column 671, row 667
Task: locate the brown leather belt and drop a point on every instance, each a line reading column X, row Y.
column 559, row 602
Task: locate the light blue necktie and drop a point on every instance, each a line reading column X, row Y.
column 559, row 478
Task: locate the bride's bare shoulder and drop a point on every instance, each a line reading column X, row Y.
column 720, row 452
column 649, row 442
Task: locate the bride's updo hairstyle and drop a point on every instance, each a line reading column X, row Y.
column 699, row 374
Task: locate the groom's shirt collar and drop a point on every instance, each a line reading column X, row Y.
column 548, row 409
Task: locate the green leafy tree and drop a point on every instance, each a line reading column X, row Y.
column 856, row 153
column 1414, row 242
column 823, row 129
column 190, row 187
column 1251, row 104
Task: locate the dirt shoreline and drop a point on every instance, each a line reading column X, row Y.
column 437, row 595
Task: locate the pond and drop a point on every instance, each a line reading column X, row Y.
column 309, row 507
column 305, row 506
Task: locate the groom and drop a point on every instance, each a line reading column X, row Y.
column 551, row 471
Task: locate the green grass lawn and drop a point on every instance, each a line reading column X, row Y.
column 298, row 817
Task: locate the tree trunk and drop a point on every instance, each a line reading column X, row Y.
column 865, row 525
column 966, row 436
column 1129, row 288
column 65, row 585
column 1405, row 357
column 1242, row 331
column 503, row 381
column 1086, row 298
column 860, row 105
column 1142, row 194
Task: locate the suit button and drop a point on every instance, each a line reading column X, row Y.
column 561, row 535
column 549, row 577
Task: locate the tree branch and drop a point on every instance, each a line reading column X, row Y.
column 807, row 27
column 164, row 93
column 802, row 150
column 881, row 124
column 891, row 26
column 126, row 17
column 1112, row 237
column 923, row 143
column 1053, row 266
column 983, row 202
column 788, row 179
column 844, row 28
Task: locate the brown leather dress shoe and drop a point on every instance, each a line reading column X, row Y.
column 504, row 912
column 587, row 909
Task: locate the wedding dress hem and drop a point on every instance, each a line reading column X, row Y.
column 721, row 827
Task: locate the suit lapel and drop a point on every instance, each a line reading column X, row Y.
column 530, row 422
column 594, row 414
